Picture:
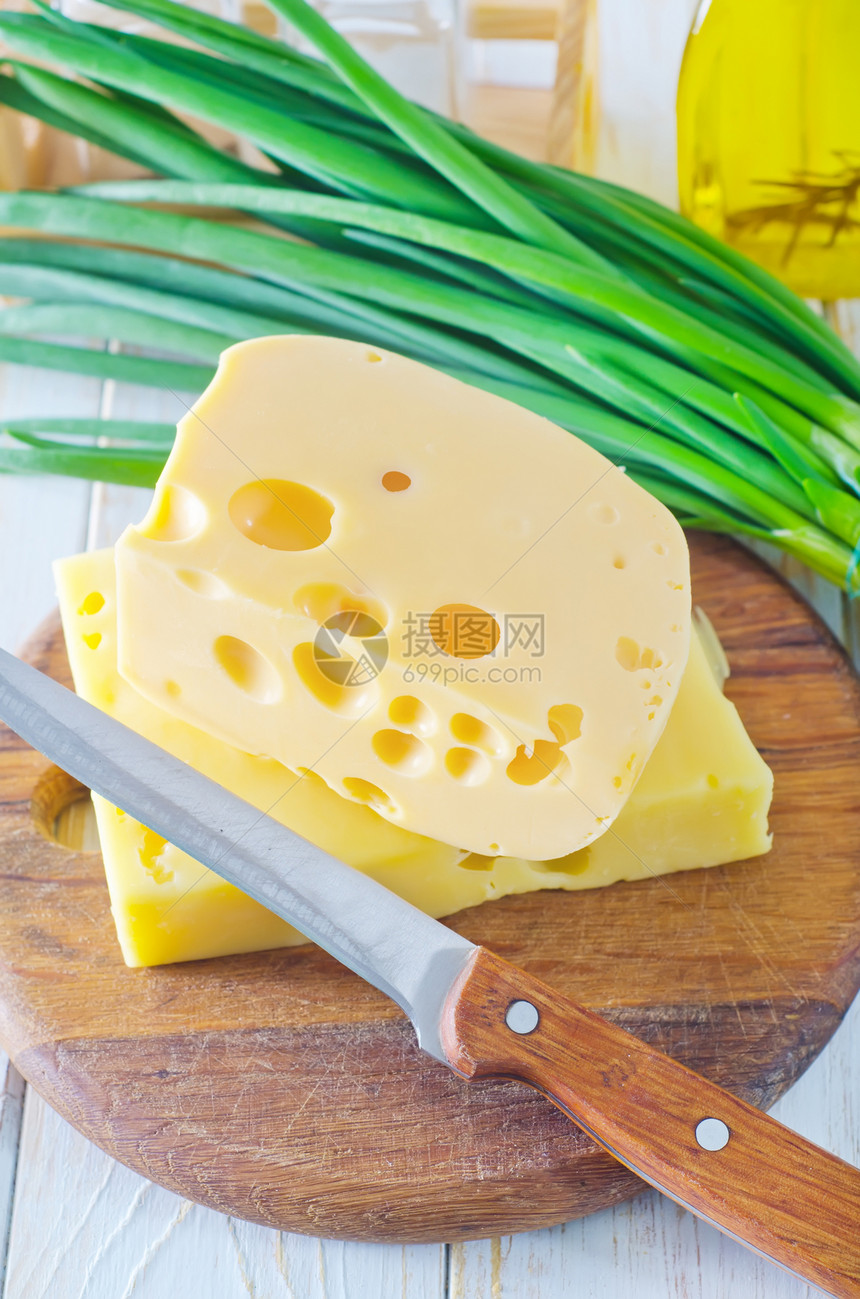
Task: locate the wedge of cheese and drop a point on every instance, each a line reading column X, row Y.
column 451, row 609
column 702, row 800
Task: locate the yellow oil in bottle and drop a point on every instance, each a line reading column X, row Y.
column 769, row 136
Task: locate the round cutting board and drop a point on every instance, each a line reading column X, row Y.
column 281, row 1088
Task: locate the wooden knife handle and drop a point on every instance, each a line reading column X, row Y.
column 786, row 1198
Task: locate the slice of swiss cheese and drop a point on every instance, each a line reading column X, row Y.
column 445, row 606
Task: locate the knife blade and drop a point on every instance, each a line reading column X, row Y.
column 729, row 1163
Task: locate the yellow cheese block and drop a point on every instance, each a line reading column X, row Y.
column 702, row 800
column 452, row 609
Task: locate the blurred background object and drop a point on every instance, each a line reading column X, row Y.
column 415, row 44
column 588, row 84
column 35, row 156
column 613, row 107
column 767, row 146
column 769, row 136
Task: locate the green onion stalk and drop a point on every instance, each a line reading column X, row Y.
column 364, row 216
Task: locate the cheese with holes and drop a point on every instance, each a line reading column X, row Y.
column 447, row 607
column 702, row 800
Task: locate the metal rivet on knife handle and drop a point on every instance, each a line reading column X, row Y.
column 522, row 1017
column 712, row 1134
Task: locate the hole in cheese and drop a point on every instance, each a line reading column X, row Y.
column 471, row 730
column 364, row 791
column 327, row 689
column 565, row 722
column 467, row 766
column 573, row 863
column 464, row 631
column 476, row 861
column 281, row 515
column 176, row 515
column 395, row 481
column 619, row 562
column 322, row 600
column 412, row 715
column 627, row 653
column 632, row 657
column 150, row 853
column 406, row 753
column 600, row 512
column 247, row 669
column 546, row 760
column 374, row 356
column 93, row 639
column 92, row 603
column 205, row 584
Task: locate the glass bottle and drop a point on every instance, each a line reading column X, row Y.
column 769, row 136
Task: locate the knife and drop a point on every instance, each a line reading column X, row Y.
column 483, row 1017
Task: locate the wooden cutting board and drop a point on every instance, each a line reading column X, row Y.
column 281, row 1088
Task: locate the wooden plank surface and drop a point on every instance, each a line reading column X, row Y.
column 117, row 1236
column 526, row 131
column 513, row 20
column 11, row 1108
column 620, row 74
column 38, row 521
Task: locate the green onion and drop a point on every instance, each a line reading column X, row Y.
column 106, row 365
column 683, row 337
column 348, row 166
column 131, row 468
column 693, row 370
column 94, row 320
column 146, row 432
